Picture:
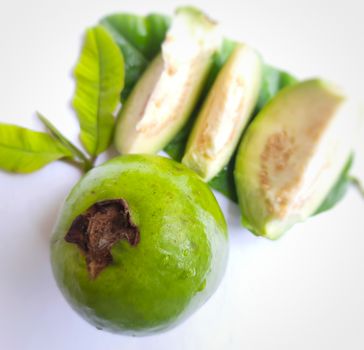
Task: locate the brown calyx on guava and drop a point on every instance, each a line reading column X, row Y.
column 99, row 228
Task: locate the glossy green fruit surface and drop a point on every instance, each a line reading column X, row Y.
column 169, row 261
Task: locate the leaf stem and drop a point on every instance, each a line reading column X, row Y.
column 358, row 185
column 88, row 164
column 80, row 165
column 79, row 159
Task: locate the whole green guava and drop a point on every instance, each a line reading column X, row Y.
column 140, row 244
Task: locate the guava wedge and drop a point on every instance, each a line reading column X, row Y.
column 292, row 155
column 140, row 244
column 225, row 113
column 163, row 98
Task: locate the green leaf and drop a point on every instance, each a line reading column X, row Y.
column 273, row 81
column 139, row 38
column 76, row 153
column 339, row 189
column 224, row 181
column 99, row 80
column 23, row 150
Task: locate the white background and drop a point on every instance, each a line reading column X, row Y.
column 305, row 291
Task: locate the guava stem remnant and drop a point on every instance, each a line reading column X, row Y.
column 97, row 230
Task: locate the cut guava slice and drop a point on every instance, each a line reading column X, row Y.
column 225, row 113
column 164, row 97
column 292, row 155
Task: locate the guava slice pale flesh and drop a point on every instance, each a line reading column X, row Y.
column 163, row 98
column 291, row 156
column 225, row 113
column 140, row 244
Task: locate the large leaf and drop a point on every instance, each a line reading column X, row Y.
column 23, row 150
column 139, row 38
column 273, row 81
column 99, row 80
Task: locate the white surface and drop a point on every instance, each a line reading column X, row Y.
column 305, row 291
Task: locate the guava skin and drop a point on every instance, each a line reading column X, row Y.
column 177, row 264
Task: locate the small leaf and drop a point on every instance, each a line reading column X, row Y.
column 99, row 80
column 23, row 150
column 273, row 81
column 224, row 181
column 139, row 39
column 76, row 153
